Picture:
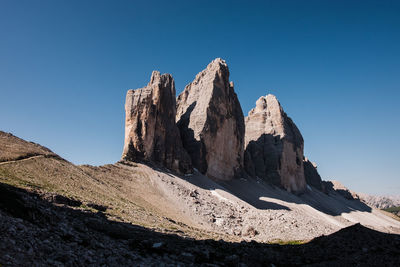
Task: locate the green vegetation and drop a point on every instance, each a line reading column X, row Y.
column 25, row 181
column 392, row 209
column 289, row 242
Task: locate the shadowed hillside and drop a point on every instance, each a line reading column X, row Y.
column 36, row 231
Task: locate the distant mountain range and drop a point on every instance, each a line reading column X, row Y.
column 380, row 202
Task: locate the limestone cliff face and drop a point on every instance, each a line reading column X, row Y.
column 311, row 174
column 274, row 146
column 211, row 123
column 151, row 133
column 336, row 187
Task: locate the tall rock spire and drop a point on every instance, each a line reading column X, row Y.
column 151, row 133
column 274, row 146
column 211, row 123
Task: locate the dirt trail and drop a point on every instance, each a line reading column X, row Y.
column 22, row 159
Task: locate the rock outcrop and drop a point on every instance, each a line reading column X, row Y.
column 311, row 174
column 274, row 146
column 151, row 133
column 211, row 123
column 336, row 187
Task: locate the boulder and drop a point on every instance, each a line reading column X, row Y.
column 151, row 133
column 211, row 123
column 274, row 146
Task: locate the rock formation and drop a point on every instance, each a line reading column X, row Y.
column 311, row 174
column 211, row 123
column 336, row 187
column 150, row 130
column 274, row 146
column 380, row 202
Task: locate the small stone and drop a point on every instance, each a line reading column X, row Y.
column 188, row 256
column 232, row 259
column 219, row 221
column 193, row 193
column 157, row 245
column 249, row 231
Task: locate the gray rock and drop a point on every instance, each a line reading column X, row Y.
column 274, row 146
column 337, row 187
column 311, row 174
column 211, row 123
column 150, row 130
column 157, row 245
column 188, row 256
column 380, row 202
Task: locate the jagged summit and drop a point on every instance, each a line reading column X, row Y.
column 269, row 108
column 265, row 102
column 156, row 76
column 217, row 63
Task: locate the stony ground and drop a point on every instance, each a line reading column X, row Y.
column 252, row 210
column 216, row 209
column 37, row 232
column 53, row 212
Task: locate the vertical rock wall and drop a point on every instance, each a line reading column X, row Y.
column 150, row 130
column 211, row 123
column 274, row 146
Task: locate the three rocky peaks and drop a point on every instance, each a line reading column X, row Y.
column 204, row 128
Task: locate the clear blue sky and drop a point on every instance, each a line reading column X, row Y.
column 65, row 67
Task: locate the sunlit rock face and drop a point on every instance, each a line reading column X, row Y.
column 274, row 146
column 211, row 123
column 151, row 133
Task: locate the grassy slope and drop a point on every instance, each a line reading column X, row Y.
column 126, row 190
column 14, row 148
column 120, row 188
column 392, row 209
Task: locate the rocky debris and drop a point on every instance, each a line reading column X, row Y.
column 250, row 231
column 336, row 186
column 150, row 130
column 14, row 148
column 59, row 199
column 97, row 207
column 218, row 211
column 311, row 175
column 274, row 146
column 67, row 237
column 211, row 123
